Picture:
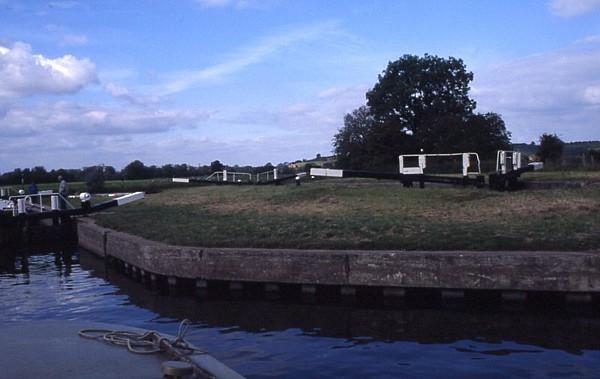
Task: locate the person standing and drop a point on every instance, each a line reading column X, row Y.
column 63, row 190
column 33, row 189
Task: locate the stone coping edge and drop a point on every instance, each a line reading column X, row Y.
column 485, row 270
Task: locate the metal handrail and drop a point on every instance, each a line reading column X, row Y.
column 501, row 161
column 40, row 196
column 422, row 162
column 223, row 176
column 266, row 174
column 5, row 191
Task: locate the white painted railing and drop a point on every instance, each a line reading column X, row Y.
column 507, row 161
column 229, row 176
column 37, row 200
column 422, row 162
column 267, row 176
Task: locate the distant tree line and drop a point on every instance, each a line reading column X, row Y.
column 551, row 148
column 96, row 175
column 39, row 174
column 558, row 154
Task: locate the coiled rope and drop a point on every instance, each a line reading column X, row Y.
column 149, row 342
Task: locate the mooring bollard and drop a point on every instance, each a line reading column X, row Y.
column 578, row 298
column 201, row 288
column 85, row 198
column 54, row 203
column 153, row 282
column 21, row 206
column 514, row 300
column 309, row 293
column 393, row 296
column 452, row 297
column 271, row 291
column 172, row 284
column 394, row 292
column 452, row 294
column 517, row 297
column 135, row 273
column 236, row 290
column 348, row 295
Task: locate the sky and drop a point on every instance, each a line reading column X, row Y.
column 84, row 83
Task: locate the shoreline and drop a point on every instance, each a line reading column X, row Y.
column 576, row 274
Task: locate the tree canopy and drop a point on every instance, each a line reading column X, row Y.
column 418, row 103
column 413, row 88
column 134, row 170
column 551, row 148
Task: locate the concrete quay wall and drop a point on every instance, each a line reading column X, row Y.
column 464, row 270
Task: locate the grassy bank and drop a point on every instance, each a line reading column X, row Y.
column 365, row 214
column 588, row 176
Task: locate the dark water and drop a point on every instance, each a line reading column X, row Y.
column 279, row 340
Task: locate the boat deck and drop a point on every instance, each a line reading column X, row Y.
column 53, row 349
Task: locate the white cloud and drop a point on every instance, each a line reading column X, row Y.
column 77, row 135
column 74, row 40
column 238, row 4
column 23, row 73
column 71, row 119
column 123, row 94
column 214, row 3
column 320, row 118
column 340, row 93
column 64, row 134
column 592, row 95
column 590, row 39
column 556, row 92
column 242, row 151
column 62, row 4
column 572, row 8
column 65, row 36
column 78, row 149
column 248, row 56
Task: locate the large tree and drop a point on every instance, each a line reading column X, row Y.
column 135, row 170
column 418, row 103
column 216, row 166
column 413, row 87
column 352, row 142
column 551, row 148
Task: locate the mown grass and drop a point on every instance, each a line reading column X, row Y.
column 591, row 176
column 365, row 214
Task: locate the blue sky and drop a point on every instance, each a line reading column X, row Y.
column 250, row 82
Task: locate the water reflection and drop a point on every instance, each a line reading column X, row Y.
column 561, row 330
column 18, row 262
column 263, row 339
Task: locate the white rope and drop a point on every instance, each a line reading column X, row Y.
column 149, row 342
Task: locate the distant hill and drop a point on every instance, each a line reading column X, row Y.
column 572, row 149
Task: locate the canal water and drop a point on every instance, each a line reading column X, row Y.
column 283, row 339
